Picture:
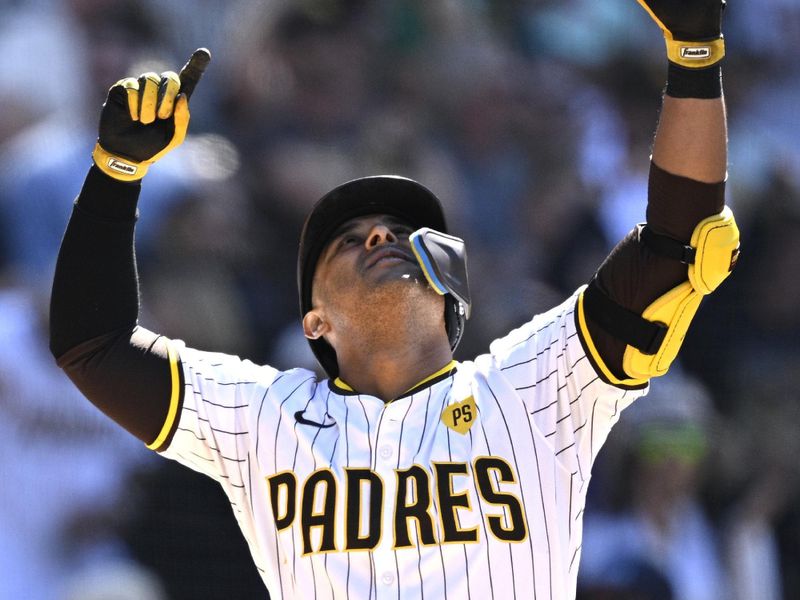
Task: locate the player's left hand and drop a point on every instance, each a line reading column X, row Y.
column 144, row 118
column 692, row 30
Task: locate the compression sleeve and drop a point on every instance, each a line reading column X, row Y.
column 632, row 275
column 121, row 368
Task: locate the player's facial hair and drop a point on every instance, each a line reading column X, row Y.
column 399, row 309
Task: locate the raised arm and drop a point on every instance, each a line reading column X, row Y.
column 691, row 140
column 128, row 372
column 636, row 310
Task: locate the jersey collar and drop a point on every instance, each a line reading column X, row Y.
column 338, row 385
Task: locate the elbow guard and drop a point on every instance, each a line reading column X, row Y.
column 654, row 338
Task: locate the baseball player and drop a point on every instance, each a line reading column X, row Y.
column 404, row 474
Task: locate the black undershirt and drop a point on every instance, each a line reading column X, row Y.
column 94, row 308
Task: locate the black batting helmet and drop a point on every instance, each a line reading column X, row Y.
column 381, row 194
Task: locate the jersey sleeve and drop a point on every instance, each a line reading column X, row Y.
column 217, row 419
column 546, row 363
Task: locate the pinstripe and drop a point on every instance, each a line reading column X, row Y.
column 482, row 519
column 316, row 435
column 374, row 457
column 314, row 457
column 544, row 512
column 261, row 407
column 280, row 417
column 559, row 317
column 222, row 456
column 402, row 427
column 440, row 534
column 538, row 354
column 488, row 549
column 217, row 430
column 294, row 466
column 538, row 381
column 516, row 466
column 424, row 426
column 295, row 436
column 458, row 519
column 330, row 462
column 201, row 375
column 258, row 439
column 569, row 510
column 591, row 431
column 347, row 463
column 580, row 393
column 369, row 433
column 373, row 583
column 224, row 383
column 574, row 555
column 414, row 460
column 399, row 446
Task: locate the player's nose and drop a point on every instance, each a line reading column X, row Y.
column 380, row 234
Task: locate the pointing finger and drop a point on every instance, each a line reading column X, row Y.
column 193, row 70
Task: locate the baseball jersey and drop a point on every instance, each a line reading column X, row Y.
column 471, row 485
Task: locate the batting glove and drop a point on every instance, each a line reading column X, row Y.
column 143, row 119
column 692, row 30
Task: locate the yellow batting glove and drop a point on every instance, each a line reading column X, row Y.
column 144, row 118
column 692, row 30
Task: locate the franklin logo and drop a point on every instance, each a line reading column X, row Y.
column 121, row 167
column 695, row 52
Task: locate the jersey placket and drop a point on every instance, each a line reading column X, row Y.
column 387, row 448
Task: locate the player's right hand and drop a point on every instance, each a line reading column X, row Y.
column 692, row 30
column 144, row 118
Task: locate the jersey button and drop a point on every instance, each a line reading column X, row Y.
column 386, row 452
column 388, row 578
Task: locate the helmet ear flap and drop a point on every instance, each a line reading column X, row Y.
column 455, row 319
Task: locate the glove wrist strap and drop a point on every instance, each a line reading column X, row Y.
column 694, row 55
column 117, row 167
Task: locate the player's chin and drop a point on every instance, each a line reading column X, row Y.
column 396, row 271
column 399, row 282
column 412, row 287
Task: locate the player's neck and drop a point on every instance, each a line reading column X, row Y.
column 389, row 373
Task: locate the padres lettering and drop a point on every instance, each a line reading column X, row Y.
column 417, row 489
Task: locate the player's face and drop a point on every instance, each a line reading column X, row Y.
column 367, row 283
column 372, row 250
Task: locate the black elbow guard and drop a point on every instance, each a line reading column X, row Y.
column 654, row 338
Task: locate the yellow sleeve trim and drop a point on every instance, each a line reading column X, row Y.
column 595, row 355
column 174, row 396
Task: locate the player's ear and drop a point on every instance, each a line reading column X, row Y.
column 314, row 326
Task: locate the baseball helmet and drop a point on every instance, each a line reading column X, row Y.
column 381, row 194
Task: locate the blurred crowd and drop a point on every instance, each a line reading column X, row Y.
column 532, row 121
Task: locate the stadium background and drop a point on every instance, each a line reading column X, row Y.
column 532, row 121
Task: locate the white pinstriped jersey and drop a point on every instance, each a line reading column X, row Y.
column 471, row 486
